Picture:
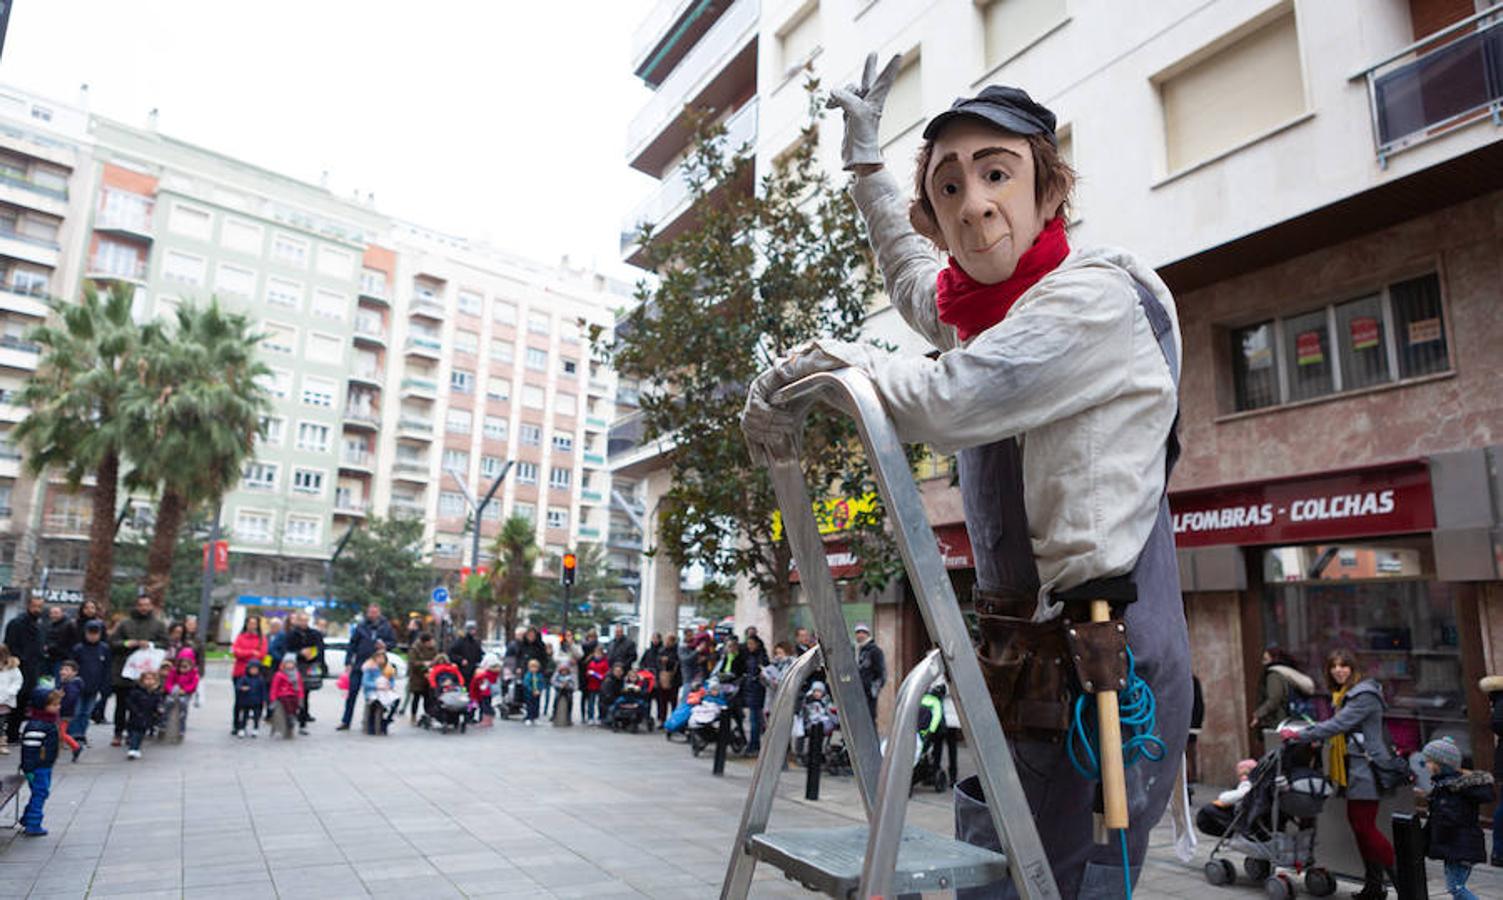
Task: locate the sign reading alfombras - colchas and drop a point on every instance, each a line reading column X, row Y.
column 1389, row 499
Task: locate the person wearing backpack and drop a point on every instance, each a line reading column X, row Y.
column 1284, row 691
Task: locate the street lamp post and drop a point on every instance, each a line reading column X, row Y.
column 476, row 509
column 206, row 591
column 329, row 566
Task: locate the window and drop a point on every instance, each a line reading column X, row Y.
column 336, row 263
column 330, row 304
column 1008, row 26
column 447, row 546
column 504, row 312
column 318, row 392
column 461, row 381
column 558, row 517
column 503, row 351
column 307, row 481
column 560, row 477
column 180, row 267
column 466, row 341
column 905, row 103
column 568, row 366
column 532, row 396
column 274, row 428
column 241, row 236
column 458, row 421
column 527, row 473
column 324, row 348
column 278, row 383
column 498, row 389
column 565, row 404
column 235, row 280
column 313, row 436
column 495, row 428
column 258, row 476
column 289, row 250
column 303, row 530
column 190, row 221
column 527, row 511
column 373, row 283
column 537, row 322
column 253, row 527
column 491, row 513
column 490, row 467
column 279, row 338
column 537, row 360
column 568, row 330
column 456, row 460
column 1347, row 346
column 28, row 281
column 468, row 302
column 530, row 435
column 563, row 443
column 1240, row 90
column 281, row 292
column 450, row 504
column 798, row 40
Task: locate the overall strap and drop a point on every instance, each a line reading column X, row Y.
column 1163, row 332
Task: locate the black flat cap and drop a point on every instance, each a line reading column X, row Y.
column 1008, row 108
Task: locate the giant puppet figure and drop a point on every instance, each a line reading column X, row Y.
column 1057, row 383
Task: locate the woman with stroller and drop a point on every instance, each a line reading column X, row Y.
column 419, row 656
column 563, row 656
column 1357, row 739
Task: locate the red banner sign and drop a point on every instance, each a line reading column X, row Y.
column 1364, row 333
column 221, row 556
column 1391, row 499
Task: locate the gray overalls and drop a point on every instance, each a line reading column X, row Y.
column 991, row 481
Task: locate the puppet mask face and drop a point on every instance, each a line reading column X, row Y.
column 980, row 183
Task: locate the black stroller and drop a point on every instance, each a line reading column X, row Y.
column 1273, row 825
column 510, row 699
column 628, row 712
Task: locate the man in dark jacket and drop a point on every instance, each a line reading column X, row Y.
column 652, row 656
column 142, row 628
column 307, row 644
column 623, row 650
column 467, row 652
column 62, row 634
column 363, row 638
column 26, row 637
column 872, row 664
column 92, row 654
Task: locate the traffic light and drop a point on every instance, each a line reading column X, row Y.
column 569, row 564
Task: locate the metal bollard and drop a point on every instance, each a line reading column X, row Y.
column 814, row 738
column 722, row 741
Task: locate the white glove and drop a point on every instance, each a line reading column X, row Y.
column 766, row 424
column 863, row 113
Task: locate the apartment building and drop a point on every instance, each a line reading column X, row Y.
column 397, row 354
column 1319, row 183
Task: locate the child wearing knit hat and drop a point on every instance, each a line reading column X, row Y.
column 1455, row 795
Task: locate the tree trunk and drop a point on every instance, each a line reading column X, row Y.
column 172, row 509
column 101, row 565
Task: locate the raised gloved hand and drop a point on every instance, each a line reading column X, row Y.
column 862, row 106
column 764, row 423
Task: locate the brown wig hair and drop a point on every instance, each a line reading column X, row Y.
column 1346, row 658
column 1051, row 175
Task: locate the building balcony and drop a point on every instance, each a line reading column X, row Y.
column 426, row 347
column 369, row 333
column 598, row 388
column 16, row 353
column 128, row 224
column 591, row 497
column 596, row 423
column 368, row 377
column 407, row 509
column 364, row 463
column 37, row 250
column 25, row 301
column 667, row 209
column 10, row 464
column 412, row 470
column 101, row 269
column 594, row 459
column 624, row 540
column 427, row 307
column 717, row 71
column 589, row 533
column 348, row 506
column 66, row 525
column 1442, row 81
column 362, row 418
column 420, row 388
column 11, row 409
column 26, row 184
column 374, row 294
column 421, row 429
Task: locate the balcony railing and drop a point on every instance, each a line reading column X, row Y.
column 349, row 505
column 407, row 423
column 35, row 291
column 11, row 342
column 351, row 458
column 369, row 329
column 23, row 181
column 363, row 415
column 426, row 385
column 428, row 306
column 417, row 466
column 28, row 239
column 115, row 220
column 1447, row 78
column 8, row 451
column 117, row 268
column 67, row 523
column 427, row 345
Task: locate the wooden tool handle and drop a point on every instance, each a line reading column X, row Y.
column 1109, row 738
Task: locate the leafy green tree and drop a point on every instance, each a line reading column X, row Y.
column 761, row 272
column 199, row 407
column 90, row 360
column 383, row 564
column 515, row 551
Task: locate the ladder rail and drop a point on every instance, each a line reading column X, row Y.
column 886, row 835
column 764, row 784
column 853, row 392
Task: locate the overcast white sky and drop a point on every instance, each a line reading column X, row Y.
column 497, row 119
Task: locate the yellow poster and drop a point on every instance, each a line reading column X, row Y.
column 833, row 515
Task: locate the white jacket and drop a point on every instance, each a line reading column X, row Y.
column 1073, row 371
column 10, row 685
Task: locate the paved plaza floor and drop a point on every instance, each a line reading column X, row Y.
column 507, row 812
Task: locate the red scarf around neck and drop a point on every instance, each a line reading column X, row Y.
column 973, row 307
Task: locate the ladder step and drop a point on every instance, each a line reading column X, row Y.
column 829, row 860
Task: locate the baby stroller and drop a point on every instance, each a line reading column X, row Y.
column 1273, row 825
column 703, row 728
column 628, row 712
column 453, row 710
column 509, row 698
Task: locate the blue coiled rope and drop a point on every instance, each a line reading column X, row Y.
column 1138, row 713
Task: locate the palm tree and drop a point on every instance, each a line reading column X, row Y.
column 516, row 552
column 199, row 407
column 91, row 359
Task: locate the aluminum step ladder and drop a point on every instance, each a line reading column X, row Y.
column 883, row 859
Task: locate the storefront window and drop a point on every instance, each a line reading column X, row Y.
column 1380, row 600
column 1254, row 373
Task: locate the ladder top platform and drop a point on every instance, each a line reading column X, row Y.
column 829, row 860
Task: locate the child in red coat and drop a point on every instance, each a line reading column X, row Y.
column 596, row 668
column 287, row 690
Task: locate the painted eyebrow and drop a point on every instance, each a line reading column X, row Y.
column 983, row 153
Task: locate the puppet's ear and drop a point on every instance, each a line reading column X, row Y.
column 921, row 217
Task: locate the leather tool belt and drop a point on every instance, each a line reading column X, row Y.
column 1035, row 670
